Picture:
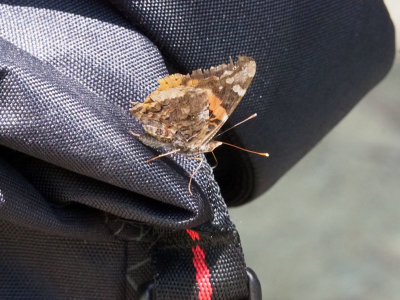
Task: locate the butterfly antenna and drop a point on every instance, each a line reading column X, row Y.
column 234, row 146
column 237, row 124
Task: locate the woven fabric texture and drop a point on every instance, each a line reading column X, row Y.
column 82, row 214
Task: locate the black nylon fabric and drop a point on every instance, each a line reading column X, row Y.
column 82, row 215
column 315, row 61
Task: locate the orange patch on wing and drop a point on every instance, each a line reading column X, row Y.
column 168, row 82
column 148, row 99
column 192, row 82
column 215, row 106
column 166, row 132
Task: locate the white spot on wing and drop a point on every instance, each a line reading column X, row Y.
column 229, row 80
column 251, row 69
column 226, row 73
column 238, row 90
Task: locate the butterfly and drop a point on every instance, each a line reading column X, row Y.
column 185, row 113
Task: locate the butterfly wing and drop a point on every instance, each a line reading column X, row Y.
column 227, row 85
column 176, row 116
column 186, row 111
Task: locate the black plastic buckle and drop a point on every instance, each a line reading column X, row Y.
column 254, row 285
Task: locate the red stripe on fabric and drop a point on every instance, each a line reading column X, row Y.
column 202, row 274
column 202, row 271
column 193, row 234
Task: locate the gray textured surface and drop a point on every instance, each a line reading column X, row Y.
column 330, row 228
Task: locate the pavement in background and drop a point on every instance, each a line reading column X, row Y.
column 330, row 228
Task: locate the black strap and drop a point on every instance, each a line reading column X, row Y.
column 196, row 265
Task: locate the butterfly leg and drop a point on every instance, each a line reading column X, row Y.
column 152, row 142
column 134, row 133
column 164, row 154
column 215, row 159
column 194, row 173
